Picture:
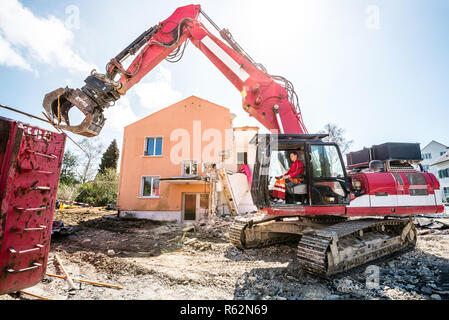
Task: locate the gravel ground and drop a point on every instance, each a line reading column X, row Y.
column 154, row 260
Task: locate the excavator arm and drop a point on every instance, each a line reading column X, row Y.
column 270, row 99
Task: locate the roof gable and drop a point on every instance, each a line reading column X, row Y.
column 175, row 105
column 433, row 141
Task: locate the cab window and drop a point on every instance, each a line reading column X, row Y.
column 326, row 162
column 327, row 168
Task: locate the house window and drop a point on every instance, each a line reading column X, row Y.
column 150, row 186
column 427, row 156
column 153, row 146
column 446, row 190
column 189, row 167
column 442, row 153
column 443, row 173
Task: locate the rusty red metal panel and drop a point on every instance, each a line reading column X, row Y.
column 30, row 164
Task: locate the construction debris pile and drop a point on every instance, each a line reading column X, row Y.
column 422, row 274
column 59, row 229
column 431, row 225
column 164, row 260
column 213, row 227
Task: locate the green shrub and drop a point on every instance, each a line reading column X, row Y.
column 67, row 192
column 100, row 192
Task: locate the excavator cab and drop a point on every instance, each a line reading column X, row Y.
column 324, row 182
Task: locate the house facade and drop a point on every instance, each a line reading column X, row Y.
column 441, row 167
column 431, row 152
column 164, row 159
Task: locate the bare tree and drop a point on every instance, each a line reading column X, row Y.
column 336, row 135
column 89, row 159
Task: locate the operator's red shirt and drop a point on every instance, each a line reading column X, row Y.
column 296, row 169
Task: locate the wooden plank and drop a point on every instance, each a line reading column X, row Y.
column 33, row 295
column 87, row 281
column 68, row 278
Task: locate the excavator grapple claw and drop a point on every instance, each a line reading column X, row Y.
column 58, row 103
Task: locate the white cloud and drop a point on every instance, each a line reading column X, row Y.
column 159, row 93
column 120, row 115
column 152, row 95
column 11, row 58
column 45, row 40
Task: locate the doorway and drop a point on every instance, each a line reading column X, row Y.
column 194, row 206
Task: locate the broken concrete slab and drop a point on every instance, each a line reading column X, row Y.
column 430, row 223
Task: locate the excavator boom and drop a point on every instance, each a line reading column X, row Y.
column 270, row 99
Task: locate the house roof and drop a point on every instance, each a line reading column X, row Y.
column 433, row 141
column 247, row 128
column 443, row 158
column 192, row 97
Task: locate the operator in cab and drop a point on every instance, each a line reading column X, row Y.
column 294, row 176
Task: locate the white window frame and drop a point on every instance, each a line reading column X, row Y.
column 142, row 178
column 443, row 172
column 183, row 166
column 145, row 147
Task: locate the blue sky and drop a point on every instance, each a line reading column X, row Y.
column 379, row 69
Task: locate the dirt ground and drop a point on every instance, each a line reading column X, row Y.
column 155, row 260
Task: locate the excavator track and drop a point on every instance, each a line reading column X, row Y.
column 243, row 236
column 237, row 231
column 350, row 244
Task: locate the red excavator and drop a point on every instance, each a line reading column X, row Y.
column 341, row 217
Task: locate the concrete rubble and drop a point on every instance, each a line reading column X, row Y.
column 214, row 227
column 164, row 260
column 431, row 225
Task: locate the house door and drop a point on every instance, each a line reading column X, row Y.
column 195, row 206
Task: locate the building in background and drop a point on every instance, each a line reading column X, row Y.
column 431, row 152
column 167, row 156
column 168, row 144
column 441, row 167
